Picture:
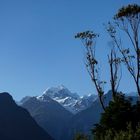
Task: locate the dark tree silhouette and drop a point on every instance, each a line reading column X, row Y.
column 119, row 118
column 127, row 20
column 115, row 70
column 88, row 39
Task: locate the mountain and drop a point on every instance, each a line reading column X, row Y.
column 16, row 123
column 70, row 101
column 49, row 114
column 26, row 98
column 84, row 102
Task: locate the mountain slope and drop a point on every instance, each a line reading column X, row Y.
column 49, row 114
column 16, row 123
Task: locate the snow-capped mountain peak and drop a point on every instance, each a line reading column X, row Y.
column 60, row 92
column 71, row 101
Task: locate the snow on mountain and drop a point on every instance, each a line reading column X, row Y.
column 71, row 101
column 85, row 101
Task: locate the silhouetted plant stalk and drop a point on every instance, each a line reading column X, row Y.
column 88, row 39
column 115, row 71
column 128, row 20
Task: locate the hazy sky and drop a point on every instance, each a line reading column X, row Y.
column 38, row 49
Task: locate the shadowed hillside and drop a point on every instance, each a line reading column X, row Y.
column 16, row 123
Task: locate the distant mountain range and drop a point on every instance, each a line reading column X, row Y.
column 70, row 101
column 16, row 123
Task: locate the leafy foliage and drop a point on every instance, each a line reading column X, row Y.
column 128, row 11
column 120, row 121
column 128, row 134
column 80, row 137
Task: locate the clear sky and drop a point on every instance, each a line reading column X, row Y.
column 38, row 49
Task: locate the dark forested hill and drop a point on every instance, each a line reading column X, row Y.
column 16, row 123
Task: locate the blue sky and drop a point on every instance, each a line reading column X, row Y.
column 38, row 49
